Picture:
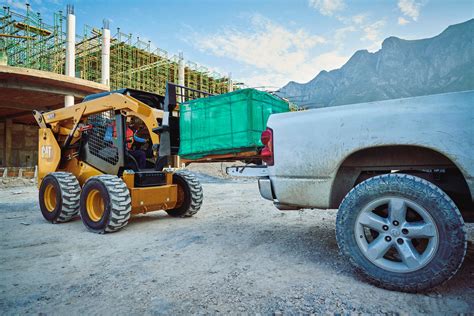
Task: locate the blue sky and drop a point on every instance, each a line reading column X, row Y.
column 266, row 42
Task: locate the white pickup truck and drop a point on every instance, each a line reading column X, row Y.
column 401, row 173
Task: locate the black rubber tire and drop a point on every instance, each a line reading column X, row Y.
column 117, row 204
column 452, row 234
column 193, row 194
column 67, row 190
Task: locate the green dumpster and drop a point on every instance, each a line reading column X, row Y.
column 226, row 123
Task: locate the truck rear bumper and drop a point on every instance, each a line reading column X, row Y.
column 247, row 171
column 265, row 187
column 266, row 191
column 297, row 192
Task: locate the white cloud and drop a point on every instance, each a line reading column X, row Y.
column 19, row 5
column 372, row 34
column 277, row 54
column 372, row 31
column 271, row 81
column 360, row 26
column 302, row 73
column 327, row 7
column 410, row 8
column 402, row 21
column 359, row 19
column 268, row 46
column 341, row 34
column 38, row 6
column 328, row 61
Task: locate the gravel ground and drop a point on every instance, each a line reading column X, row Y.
column 238, row 255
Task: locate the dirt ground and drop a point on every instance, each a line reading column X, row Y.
column 238, row 255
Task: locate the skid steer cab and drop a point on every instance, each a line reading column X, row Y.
column 103, row 158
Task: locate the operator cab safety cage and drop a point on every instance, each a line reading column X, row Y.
column 113, row 160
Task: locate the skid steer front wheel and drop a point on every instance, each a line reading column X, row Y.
column 105, row 204
column 59, row 197
column 189, row 194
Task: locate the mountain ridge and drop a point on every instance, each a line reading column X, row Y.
column 401, row 68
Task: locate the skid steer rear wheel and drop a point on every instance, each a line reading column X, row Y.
column 105, row 204
column 59, row 197
column 189, row 194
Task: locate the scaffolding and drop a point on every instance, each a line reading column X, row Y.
column 28, row 42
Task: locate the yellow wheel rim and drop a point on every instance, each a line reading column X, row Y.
column 50, row 198
column 95, row 205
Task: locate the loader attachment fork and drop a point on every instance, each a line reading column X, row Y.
column 169, row 129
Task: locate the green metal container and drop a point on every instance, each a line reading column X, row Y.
column 226, row 123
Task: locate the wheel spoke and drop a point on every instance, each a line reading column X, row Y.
column 397, row 210
column 378, row 248
column 420, row 230
column 408, row 254
column 372, row 221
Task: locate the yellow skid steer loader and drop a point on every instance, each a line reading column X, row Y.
column 88, row 162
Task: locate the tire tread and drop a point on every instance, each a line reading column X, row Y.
column 70, row 193
column 120, row 202
column 395, row 182
column 195, row 189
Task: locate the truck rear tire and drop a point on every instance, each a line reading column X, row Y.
column 189, row 194
column 105, row 204
column 402, row 232
column 59, row 197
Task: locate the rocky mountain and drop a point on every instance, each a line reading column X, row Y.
column 401, row 68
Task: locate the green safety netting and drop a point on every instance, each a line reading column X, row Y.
column 226, row 123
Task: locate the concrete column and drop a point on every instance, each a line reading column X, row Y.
column 230, row 87
column 181, row 82
column 181, row 70
column 8, row 142
column 70, row 50
column 105, row 72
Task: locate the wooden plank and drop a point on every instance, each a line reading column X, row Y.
column 16, row 36
column 32, row 29
column 247, row 155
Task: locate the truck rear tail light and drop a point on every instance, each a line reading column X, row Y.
column 267, row 151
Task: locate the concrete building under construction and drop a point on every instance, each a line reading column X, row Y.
column 63, row 66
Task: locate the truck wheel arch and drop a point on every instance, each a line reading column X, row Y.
column 372, row 161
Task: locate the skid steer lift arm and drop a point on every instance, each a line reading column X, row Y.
column 117, row 102
column 59, row 128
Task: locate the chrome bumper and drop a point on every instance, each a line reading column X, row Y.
column 247, row 171
column 265, row 187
